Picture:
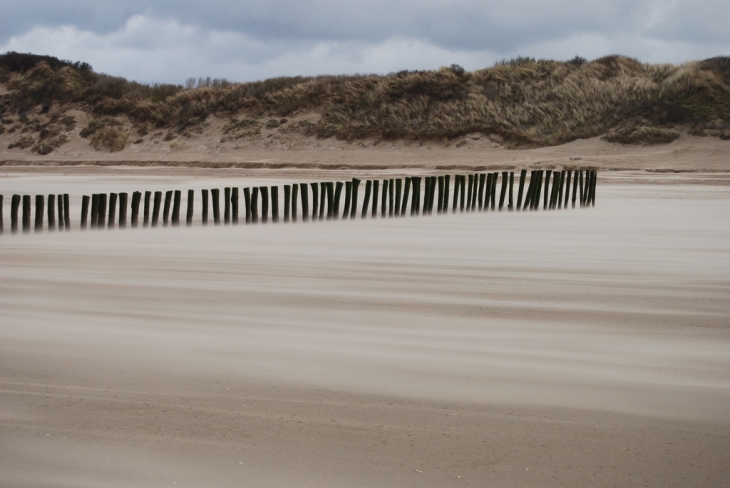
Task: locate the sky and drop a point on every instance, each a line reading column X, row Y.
column 245, row 40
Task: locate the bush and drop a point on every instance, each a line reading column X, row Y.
column 109, row 139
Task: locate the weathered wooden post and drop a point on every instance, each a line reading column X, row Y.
column 523, row 174
column 176, row 208
column 264, row 204
column 123, row 210
column 287, row 202
column 488, row 190
column 406, row 195
column 480, row 196
column 39, row 208
column 528, row 194
column 204, row 215
column 494, row 188
column 587, row 190
column 255, row 205
column 387, row 196
column 315, row 200
column 353, row 203
column 554, row 190
column 136, row 200
column 60, row 208
column 26, row 213
column 305, row 201
column 474, row 192
column 432, row 194
column 226, row 205
column 166, row 210
column 469, row 190
column 101, row 212
column 112, row 210
column 538, row 189
column 330, row 200
column 294, row 200
column 51, row 212
column 395, row 198
column 374, row 212
column 234, row 205
column 188, row 213
column 503, row 190
column 84, row 211
column 215, row 194
column 66, row 211
column 440, row 205
column 455, row 198
column 322, row 199
column 427, row 183
column 547, row 186
column 447, row 185
column 560, row 189
column 94, row 210
column 366, row 201
column 338, row 196
column 594, row 177
column 147, row 198
column 157, row 206
column 14, row 206
column 511, row 206
column 247, row 203
column 567, row 189
column 348, row 197
column 275, row 204
column 416, row 201
column 580, row 187
column 575, row 188
column 462, row 191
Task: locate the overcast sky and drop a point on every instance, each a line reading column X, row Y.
column 243, row 40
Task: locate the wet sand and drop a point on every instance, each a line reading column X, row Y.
column 568, row 348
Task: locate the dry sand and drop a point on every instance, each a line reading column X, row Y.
column 570, row 348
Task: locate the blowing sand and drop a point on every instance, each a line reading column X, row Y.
column 569, row 348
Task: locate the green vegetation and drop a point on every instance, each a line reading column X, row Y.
column 527, row 102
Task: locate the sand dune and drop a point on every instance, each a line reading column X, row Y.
column 567, row 348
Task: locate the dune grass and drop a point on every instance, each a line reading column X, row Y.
column 524, row 101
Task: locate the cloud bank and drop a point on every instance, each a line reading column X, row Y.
column 168, row 41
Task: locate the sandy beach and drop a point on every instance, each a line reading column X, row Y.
column 582, row 347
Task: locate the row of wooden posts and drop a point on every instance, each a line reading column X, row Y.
column 470, row 193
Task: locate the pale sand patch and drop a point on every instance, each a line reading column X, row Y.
column 571, row 348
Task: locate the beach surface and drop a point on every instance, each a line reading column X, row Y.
column 571, row 348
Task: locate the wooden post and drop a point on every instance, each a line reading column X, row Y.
column 523, row 174
column 447, row 184
column 511, row 205
column 560, row 189
column 494, row 188
column 305, row 201
column 275, row 204
column 528, row 195
column 176, row 208
column 26, row 213
column 248, row 204
column 503, row 190
column 14, row 206
column 331, row 214
column 547, row 186
column 575, row 188
column 480, row 198
column 294, row 204
column 455, row 201
column 190, row 209
column 567, row 189
column 322, row 198
column 84, row 211
column 166, row 210
column 66, row 211
column 406, row 194
column 353, row 203
column 234, row 205
column 416, row 201
column 348, row 197
column 136, row 200
column 156, row 208
column 462, row 191
column 474, row 192
column 554, row 190
column 387, row 191
column 488, row 190
column 470, row 189
column 264, row 204
column 147, row 197
column 538, row 190
column 204, row 215
column 123, row 210
column 2, row 211
column 94, row 210
column 580, row 187
column 593, row 187
column 101, row 212
column 338, row 195
column 432, row 194
column 374, row 212
column 366, row 201
column 39, row 209
column 51, row 212
column 227, row 205
column 440, row 206
column 315, row 200
column 59, row 208
column 395, row 198
column 287, row 202
column 215, row 194
column 255, row 205
column 112, row 210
